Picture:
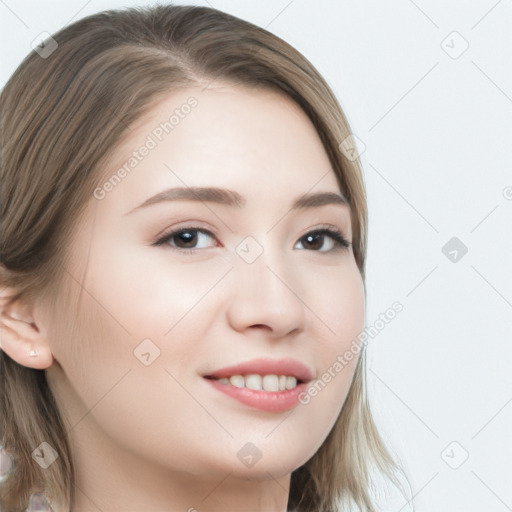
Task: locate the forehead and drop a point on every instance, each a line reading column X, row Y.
column 256, row 141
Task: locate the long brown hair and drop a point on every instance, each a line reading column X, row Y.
column 62, row 116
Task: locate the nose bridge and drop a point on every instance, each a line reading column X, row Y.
column 259, row 279
column 264, row 291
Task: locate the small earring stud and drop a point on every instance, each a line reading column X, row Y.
column 33, row 353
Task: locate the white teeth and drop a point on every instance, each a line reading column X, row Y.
column 237, row 381
column 261, row 382
column 291, row 382
column 271, row 383
column 253, row 382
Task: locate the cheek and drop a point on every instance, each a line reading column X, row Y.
column 108, row 382
column 88, row 344
column 337, row 303
column 150, row 295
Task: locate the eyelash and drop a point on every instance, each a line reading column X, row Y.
column 334, row 233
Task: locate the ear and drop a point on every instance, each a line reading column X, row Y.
column 22, row 337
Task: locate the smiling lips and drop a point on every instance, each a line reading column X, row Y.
column 266, row 384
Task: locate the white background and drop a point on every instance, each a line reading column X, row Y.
column 437, row 137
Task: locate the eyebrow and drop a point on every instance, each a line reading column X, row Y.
column 234, row 199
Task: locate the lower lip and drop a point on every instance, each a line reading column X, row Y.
column 271, row 401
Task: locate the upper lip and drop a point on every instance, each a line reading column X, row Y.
column 265, row 366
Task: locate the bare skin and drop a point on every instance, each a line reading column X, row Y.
column 159, row 437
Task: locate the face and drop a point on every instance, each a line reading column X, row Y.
column 220, row 252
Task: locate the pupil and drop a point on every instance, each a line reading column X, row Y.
column 315, row 241
column 187, row 238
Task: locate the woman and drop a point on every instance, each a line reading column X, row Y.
column 182, row 268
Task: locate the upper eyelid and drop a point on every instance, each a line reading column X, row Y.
column 165, row 235
column 198, row 227
column 194, row 225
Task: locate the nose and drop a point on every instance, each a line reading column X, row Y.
column 266, row 298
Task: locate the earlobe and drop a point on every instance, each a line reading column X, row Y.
column 21, row 338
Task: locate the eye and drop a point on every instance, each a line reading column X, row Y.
column 188, row 238
column 323, row 240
